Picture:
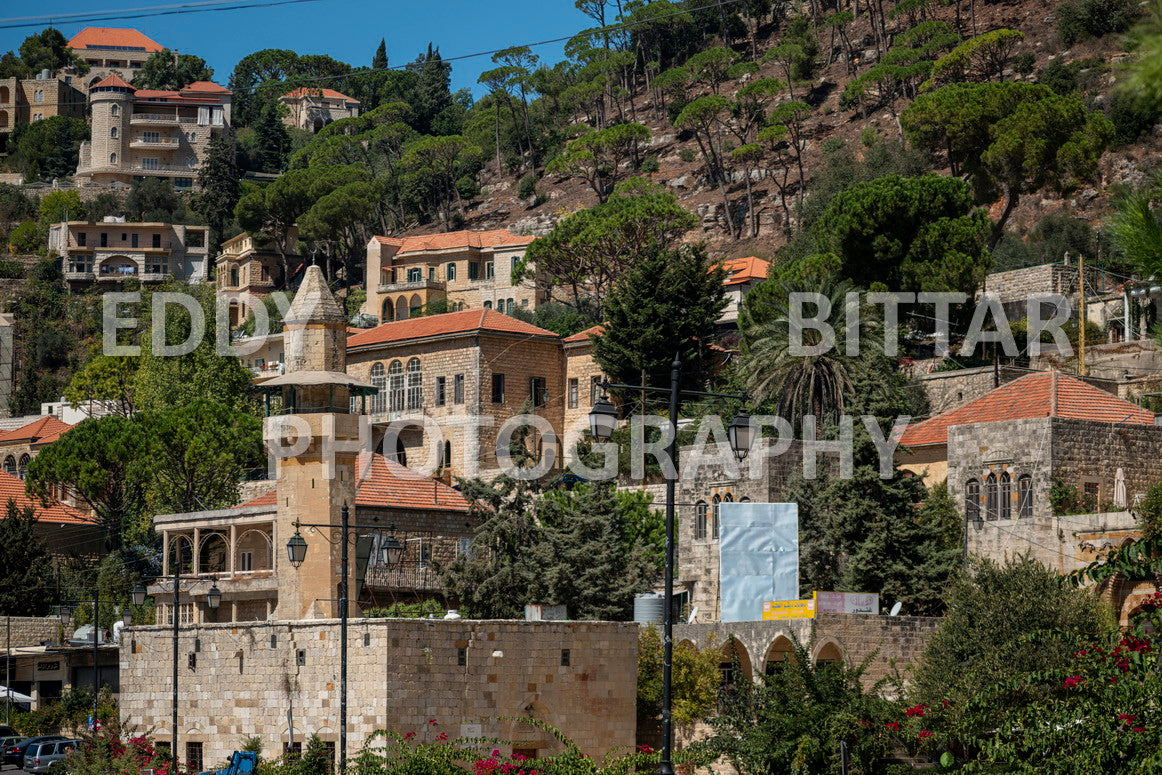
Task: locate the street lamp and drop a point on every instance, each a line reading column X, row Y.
column 602, row 421
column 296, row 549
column 392, row 550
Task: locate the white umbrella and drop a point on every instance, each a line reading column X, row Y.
column 1120, row 489
column 14, row 696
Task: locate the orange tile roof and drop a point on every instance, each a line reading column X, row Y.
column 450, row 240
column 50, row 511
column 204, row 87
column 583, row 336
column 112, row 36
column 35, row 431
column 447, row 323
column 388, row 484
column 742, row 270
column 315, row 91
column 113, row 80
column 1046, row 394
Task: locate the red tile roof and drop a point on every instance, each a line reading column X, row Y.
column 1046, row 394
column 742, row 270
column 50, row 511
column 447, row 323
column 35, row 431
column 315, row 91
column 113, row 80
column 450, row 240
column 583, row 336
column 388, row 484
column 112, row 36
column 198, row 91
column 206, row 87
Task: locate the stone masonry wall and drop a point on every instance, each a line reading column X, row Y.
column 33, row 630
column 250, row 678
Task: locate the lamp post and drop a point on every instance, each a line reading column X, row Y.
column 602, row 422
column 296, row 549
column 213, row 600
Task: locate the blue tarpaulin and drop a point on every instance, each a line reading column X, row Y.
column 758, row 545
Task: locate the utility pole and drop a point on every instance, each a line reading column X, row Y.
column 96, row 640
column 8, row 668
column 1081, row 368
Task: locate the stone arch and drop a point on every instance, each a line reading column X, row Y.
column 181, row 546
column 22, row 466
column 10, row 465
column 258, row 542
column 118, row 265
column 213, row 554
column 388, row 312
column 317, row 124
column 526, row 736
column 734, row 651
column 5, row 95
column 828, row 653
column 415, row 305
column 401, row 308
column 779, row 653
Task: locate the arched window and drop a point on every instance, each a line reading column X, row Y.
column 716, row 500
column 235, row 277
column 446, row 462
column 1006, row 496
column 379, row 381
column 115, row 110
column 388, row 312
column 700, row 521
column 828, row 655
column 991, row 497
column 113, row 132
column 395, row 389
column 972, row 500
column 488, row 305
column 401, row 308
column 451, row 270
column 22, row 469
column 1025, row 496
column 112, row 158
column 10, row 465
column 415, row 384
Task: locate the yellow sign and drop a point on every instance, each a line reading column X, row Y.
column 789, row 609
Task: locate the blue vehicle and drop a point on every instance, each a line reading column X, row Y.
column 241, row 763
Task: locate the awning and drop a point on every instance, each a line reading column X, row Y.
column 14, row 696
column 315, row 378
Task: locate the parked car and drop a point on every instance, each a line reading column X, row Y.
column 15, row 754
column 7, row 731
column 7, row 742
column 48, row 756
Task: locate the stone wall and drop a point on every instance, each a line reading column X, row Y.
column 33, row 630
column 1016, row 285
column 251, row 678
column 949, row 389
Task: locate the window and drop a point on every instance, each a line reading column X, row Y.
column 538, row 391
column 461, row 657
column 194, row 757
column 509, row 306
column 488, row 305
column 465, row 547
column 112, row 158
column 991, row 497
column 714, row 518
column 972, row 500
column 116, row 110
column 473, row 270
column 566, row 657
column 415, row 275
column 432, row 273
column 594, row 390
column 489, row 270
column 415, row 384
column 573, row 390
column 515, row 264
column 1006, row 496
column 10, row 465
column 700, row 521
column 192, row 660
column 1025, row 496
column 273, row 641
column 441, row 388
column 498, row 388
column 150, row 163
column 183, row 182
column 157, row 240
column 196, row 239
column 236, row 280
column 113, row 132
column 378, row 381
column 451, row 272
column 82, row 237
column 104, row 239
column 246, row 561
column 38, row 95
column 425, row 553
column 37, row 116
column 136, row 236
column 395, row 387
column 22, row 468
column 301, row 657
column 458, row 389
column 151, row 137
column 446, row 456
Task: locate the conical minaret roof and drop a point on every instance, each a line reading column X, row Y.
column 314, row 302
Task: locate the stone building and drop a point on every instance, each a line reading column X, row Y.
column 25, row 100
column 465, row 269
column 111, row 51
column 948, row 389
column 278, row 681
column 139, row 133
column 743, row 274
column 67, row 531
column 46, row 671
column 312, row 108
column 582, row 384
column 449, row 370
column 20, row 445
column 114, row 250
column 249, row 264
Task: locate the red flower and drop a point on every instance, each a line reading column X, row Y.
column 432, row 721
column 1073, row 681
column 915, row 712
column 1138, row 729
column 442, row 736
column 894, row 726
column 924, row 734
column 409, row 736
column 645, row 749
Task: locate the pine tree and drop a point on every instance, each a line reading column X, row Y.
column 379, row 61
column 670, row 302
column 273, row 139
column 26, row 575
column 218, row 181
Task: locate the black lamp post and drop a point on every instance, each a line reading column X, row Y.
column 602, row 422
column 213, row 600
column 296, row 549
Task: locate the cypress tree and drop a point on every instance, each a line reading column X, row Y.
column 273, row 139
column 379, row 61
column 218, row 181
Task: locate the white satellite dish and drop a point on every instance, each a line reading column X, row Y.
column 896, row 608
column 693, row 614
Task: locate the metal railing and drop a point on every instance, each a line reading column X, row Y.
column 162, row 117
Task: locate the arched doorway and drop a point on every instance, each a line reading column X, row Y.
column 828, row 654
column 779, row 654
column 387, row 314
column 734, row 665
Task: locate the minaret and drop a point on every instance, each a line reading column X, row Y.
column 315, row 483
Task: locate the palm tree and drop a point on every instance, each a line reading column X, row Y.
column 772, row 343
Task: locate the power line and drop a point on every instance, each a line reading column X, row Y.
column 142, row 13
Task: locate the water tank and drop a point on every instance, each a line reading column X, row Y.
column 649, row 608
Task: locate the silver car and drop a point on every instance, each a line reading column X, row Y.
column 48, row 756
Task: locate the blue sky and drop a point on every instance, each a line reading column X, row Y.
column 345, row 29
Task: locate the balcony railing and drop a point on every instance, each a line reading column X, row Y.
column 165, row 143
column 161, row 118
column 415, row 285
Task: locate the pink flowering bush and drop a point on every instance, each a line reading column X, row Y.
column 113, row 750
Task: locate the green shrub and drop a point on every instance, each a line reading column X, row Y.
column 28, row 237
column 1023, row 63
column 686, row 155
column 1079, row 19
column 1133, row 115
column 870, row 136
column 528, row 186
column 650, row 164
column 11, row 270
column 833, row 144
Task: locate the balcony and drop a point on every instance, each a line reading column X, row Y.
column 155, row 143
column 80, row 276
column 412, row 287
column 163, row 119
